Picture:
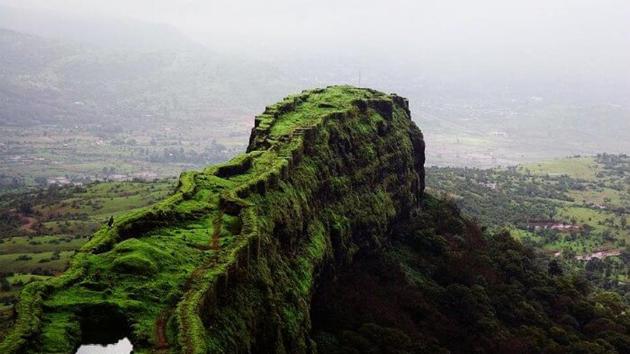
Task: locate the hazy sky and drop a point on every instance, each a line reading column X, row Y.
column 558, row 22
column 585, row 37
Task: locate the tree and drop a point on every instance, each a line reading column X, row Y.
column 4, row 284
column 555, row 268
column 25, row 207
column 41, row 181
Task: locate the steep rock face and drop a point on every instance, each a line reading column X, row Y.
column 228, row 263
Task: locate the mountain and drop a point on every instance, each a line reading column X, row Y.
column 28, row 91
column 63, row 69
column 93, row 30
column 157, row 111
column 63, row 82
column 320, row 238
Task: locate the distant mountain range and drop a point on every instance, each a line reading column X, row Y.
column 54, row 81
column 64, row 70
column 99, row 31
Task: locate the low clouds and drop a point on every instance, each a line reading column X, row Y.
column 586, row 38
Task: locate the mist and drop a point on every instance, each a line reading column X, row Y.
column 529, row 70
column 585, row 38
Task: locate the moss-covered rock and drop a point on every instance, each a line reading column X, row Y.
column 134, row 264
column 229, row 262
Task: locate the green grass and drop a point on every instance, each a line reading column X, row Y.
column 583, row 215
column 103, row 199
column 578, row 167
column 38, row 244
column 607, row 197
column 25, row 278
column 330, row 100
column 9, row 263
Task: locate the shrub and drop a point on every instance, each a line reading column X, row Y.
column 134, row 263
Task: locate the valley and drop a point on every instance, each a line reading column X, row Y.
column 576, row 209
column 72, row 108
column 568, row 216
column 572, row 209
column 40, row 230
column 57, row 155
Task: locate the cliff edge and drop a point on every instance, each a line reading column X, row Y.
column 229, row 261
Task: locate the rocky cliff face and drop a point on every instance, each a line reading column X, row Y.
column 230, row 261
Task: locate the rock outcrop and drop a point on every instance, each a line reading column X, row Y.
column 229, row 262
column 319, row 239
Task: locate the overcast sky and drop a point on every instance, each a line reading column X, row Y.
column 588, row 37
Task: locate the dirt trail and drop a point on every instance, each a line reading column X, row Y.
column 161, row 342
column 28, row 223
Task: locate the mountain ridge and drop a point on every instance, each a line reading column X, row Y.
column 310, row 154
column 320, row 238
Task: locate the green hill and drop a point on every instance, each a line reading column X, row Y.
column 318, row 239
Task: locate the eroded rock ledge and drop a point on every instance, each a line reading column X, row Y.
column 229, row 261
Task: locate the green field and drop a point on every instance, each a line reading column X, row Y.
column 38, row 244
column 40, row 230
column 585, row 168
column 30, row 262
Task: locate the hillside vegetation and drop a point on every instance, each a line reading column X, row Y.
column 319, row 238
column 575, row 210
column 443, row 286
column 41, row 230
column 172, row 260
